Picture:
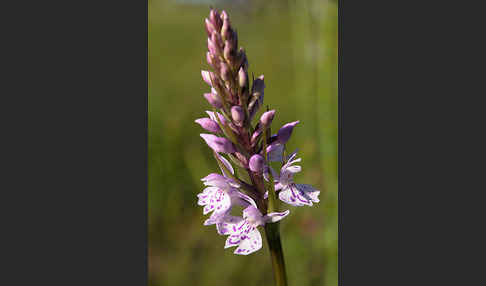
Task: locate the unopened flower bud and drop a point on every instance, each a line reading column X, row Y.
column 228, row 53
column 219, row 144
column 226, row 28
column 225, row 72
column 215, row 19
column 283, row 134
column 242, row 78
column 266, row 118
column 214, row 100
column 216, row 39
column 209, row 27
column 208, row 124
column 256, row 163
column 207, row 77
column 212, row 61
column 237, row 114
column 213, row 49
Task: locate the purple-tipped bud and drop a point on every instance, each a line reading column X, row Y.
column 216, row 39
column 237, row 114
column 226, row 28
column 207, row 76
column 214, row 100
column 283, row 134
column 213, row 49
column 228, row 53
column 208, row 124
column 212, row 61
column 209, row 27
column 215, row 19
column 225, row 72
column 256, row 163
column 266, row 118
column 242, row 77
column 218, row 144
column 224, row 15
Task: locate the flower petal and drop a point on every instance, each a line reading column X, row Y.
column 249, row 243
column 309, row 192
column 219, row 202
column 294, row 169
column 253, row 214
column 276, row 216
column 284, row 133
column 229, row 224
column 292, row 196
column 218, row 144
column 227, row 164
column 244, row 200
column 232, row 240
column 274, row 152
column 203, row 198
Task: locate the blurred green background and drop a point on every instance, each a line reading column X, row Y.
column 294, row 44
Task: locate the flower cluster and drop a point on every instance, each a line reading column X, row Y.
column 250, row 147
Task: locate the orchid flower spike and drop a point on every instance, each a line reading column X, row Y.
column 236, row 100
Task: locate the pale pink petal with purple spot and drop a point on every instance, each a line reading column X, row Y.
column 218, row 201
column 292, row 196
column 309, row 191
column 229, row 225
column 226, row 224
column 203, row 198
column 249, row 243
column 232, row 240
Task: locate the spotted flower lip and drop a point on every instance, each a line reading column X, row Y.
column 219, row 197
column 292, row 193
column 243, row 231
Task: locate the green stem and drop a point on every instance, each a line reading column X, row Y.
column 272, row 202
column 272, row 229
column 276, row 253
